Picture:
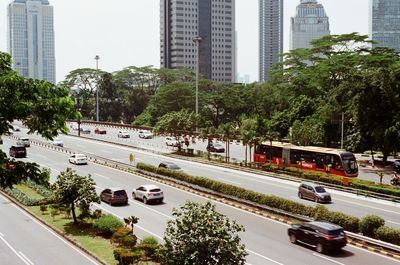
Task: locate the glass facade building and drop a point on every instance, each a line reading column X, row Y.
column 270, row 35
column 30, row 39
column 385, row 23
column 211, row 20
column 310, row 23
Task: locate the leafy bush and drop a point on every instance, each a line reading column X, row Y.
column 108, row 223
column 370, row 223
column 149, row 245
column 25, row 199
column 388, row 234
column 127, row 257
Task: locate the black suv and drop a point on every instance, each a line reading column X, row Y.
column 321, row 235
column 396, row 166
column 18, row 151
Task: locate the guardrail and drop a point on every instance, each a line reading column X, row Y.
column 130, row 169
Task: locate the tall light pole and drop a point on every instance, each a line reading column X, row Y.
column 97, row 58
column 197, row 40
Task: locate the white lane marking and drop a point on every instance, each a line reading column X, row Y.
column 264, row 257
column 375, row 253
column 52, row 232
column 396, row 223
column 331, row 260
column 13, row 250
column 229, row 181
column 28, row 260
column 367, row 206
column 101, row 176
column 136, row 226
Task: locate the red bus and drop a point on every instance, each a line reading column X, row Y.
column 321, row 159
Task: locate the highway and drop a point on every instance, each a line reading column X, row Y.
column 266, row 240
column 341, row 201
column 24, row 240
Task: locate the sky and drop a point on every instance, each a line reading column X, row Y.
column 126, row 32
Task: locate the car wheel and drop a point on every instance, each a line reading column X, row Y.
column 133, row 195
column 161, row 201
column 145, row 200
column 293, row 238
column 316, row 199
column 319, row 248
column 300, row 195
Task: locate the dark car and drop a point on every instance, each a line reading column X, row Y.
column 114, row 196
column 396, row 166
column 170, row 165
column 313, row 192
column 321, row 235
column 17, row 151
column 215, row 147
column 85, row 130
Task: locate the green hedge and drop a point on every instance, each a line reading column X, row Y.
column 388, row 234
column 108, row 223
column 370, row 223
column 25, row 199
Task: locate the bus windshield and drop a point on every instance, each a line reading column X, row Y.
column 349, row 164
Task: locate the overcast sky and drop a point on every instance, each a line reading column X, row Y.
column 126, row 32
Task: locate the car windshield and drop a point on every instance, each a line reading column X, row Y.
column 319, row 189
column 217, row 145
column 120, row 193
column 337, row 232
column 173, row 166
column 155, row 190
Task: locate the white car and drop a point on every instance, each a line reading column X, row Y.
column 24, row 141
column 148, row 193
column 171, row 141
column 58, row 142
column 145, row 134
column 123, row 134
column 78, row 159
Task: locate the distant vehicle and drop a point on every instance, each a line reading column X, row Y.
column 58, row 142
column 171, row 141
column 123, row 134
column 312, row 191
column 24, row 141
column 74, row 126
column 78, row 159
column 321, row 235
column 145, row 134
column 114, row 196
column 215, row 147
column 396, row 166
column 100, row 131
column 85, row 130
column 16, row 128
column 170, row 165
column 17, row 151
column 334, row 161
column 148, row 193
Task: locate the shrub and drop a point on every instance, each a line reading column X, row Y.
column 370, row 223
column 107, row 223
column 149, row 245
column 127, row 257
column 388, row 234
column 97, row 214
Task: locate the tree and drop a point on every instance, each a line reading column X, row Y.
column 41, row 106
column 248, row 132
column 200, row 235
column 72, row 189
column 227, row 132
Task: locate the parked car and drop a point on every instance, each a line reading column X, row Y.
column 145, row 134
column 396, row 166
column 85, row 130
column 170, row 165
column 171, row 141
column 58, row 142
column 16, row 128
column 148, row 193
column 24, row 141
column 215, row 147
column 74, row 126
column 114, row 196
column 78, row 159
column 123, row 134
column 312, row 191
column 100, row 131
column 17, row 151
column 321, row 235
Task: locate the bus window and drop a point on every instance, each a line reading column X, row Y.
column 349, row 163
column 336, row 163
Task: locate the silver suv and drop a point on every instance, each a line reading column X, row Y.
column 315, row 192
column 148, row 193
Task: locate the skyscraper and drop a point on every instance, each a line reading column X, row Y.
column 309, row 23
column 385, row 23
column 211, row 20
column 270, row 35
column 30, row 39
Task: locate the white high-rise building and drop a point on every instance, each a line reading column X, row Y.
column 211, row 20
column 30, row 39
column 310, row 23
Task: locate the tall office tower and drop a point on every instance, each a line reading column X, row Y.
column 310, row 23
column 181, row 22
column 270, row 35
column 30, row 39
column 385, row 23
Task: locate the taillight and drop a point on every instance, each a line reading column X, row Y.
column 329, row 237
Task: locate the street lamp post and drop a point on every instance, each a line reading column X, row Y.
column 77, row 92
column 97, row 58
column 197, row 40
